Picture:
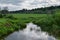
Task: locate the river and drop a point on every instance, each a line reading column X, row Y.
column 31, row 32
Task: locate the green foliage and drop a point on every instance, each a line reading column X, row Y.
column 1, row 15
column 47, row 18
column 48, row 22
column 10, row 17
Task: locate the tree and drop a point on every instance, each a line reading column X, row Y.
column 0, row 9
column 5, row 10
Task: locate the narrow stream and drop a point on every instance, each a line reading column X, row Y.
column 31, row 32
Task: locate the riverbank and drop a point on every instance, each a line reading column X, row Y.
column 13, row 22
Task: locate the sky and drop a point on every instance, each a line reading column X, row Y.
column 27, row 4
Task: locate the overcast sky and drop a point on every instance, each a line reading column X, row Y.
column 27, row 4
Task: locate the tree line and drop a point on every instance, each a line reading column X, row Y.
column 45, row 10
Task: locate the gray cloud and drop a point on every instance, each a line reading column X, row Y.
column 28, row 4
column 15, row 2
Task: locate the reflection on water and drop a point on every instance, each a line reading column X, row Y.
column 31, row 32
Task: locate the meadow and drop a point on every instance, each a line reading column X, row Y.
column 14, row 22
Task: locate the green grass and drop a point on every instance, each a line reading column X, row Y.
column 2, row 20
column 28, row 17
column 19, row 16
column 12, row 22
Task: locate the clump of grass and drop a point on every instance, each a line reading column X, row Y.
column 48, row 23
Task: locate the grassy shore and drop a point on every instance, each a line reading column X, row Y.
column 14, row 22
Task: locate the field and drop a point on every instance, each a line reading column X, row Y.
column 13, row 22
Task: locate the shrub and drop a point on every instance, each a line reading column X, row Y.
column 10, row 17
column 1, row 15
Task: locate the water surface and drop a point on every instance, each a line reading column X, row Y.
column 31, row 32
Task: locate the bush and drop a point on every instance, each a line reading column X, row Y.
column 1, row 16
column 10, row 17
column 51, row 24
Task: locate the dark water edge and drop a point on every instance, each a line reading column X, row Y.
column 3, row 36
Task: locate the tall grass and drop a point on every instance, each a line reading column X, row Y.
column 13, row 22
